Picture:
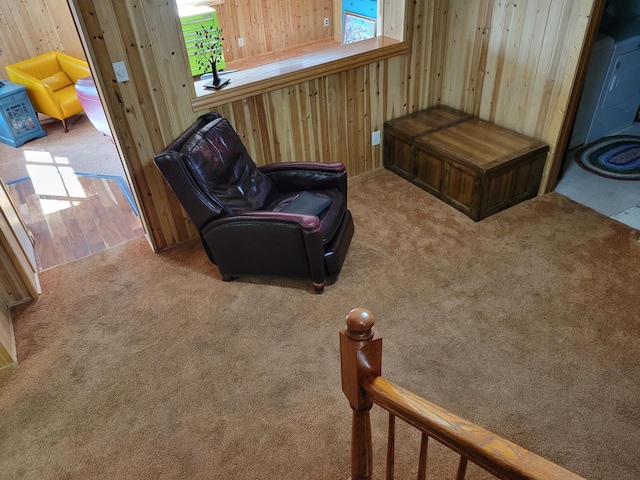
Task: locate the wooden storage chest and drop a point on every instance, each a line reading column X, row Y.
column 473, row 165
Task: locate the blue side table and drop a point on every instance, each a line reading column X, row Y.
column 18, row 121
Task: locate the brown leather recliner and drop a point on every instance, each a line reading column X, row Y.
column 282, row 220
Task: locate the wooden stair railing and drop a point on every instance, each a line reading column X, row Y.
column 362, row 384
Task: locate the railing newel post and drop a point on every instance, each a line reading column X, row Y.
column 360, row 359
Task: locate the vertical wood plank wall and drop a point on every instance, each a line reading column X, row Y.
column 510, row 62
column 32, row 27
column 272, row 26
column 513, row 62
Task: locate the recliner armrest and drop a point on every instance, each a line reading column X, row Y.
column 298, row 176
column 308, row 222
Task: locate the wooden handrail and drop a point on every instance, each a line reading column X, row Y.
column 363, row 385
column 493, row 453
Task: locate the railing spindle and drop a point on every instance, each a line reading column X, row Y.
column 462, row 469
column 422, row 461
column 391, row 446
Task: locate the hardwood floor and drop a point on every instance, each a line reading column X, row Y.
column 74, row 216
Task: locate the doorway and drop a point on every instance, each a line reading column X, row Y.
column 71, row 190
column 618, row 29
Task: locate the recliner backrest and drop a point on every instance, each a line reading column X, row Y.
column 223, row 169
column 211, row 173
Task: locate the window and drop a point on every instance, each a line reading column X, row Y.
column 280, row 61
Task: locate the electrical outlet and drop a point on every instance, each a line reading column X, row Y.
column 121, row 72
column 375, row 138
column 326, row 21
column 241, row 42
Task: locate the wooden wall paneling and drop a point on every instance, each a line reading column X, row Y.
column 517, row 73
column 573, row 44
column 13, row 47
column 328, row 119
column 65, row 28
column 367, row 126
column 501, row 23
column 234, row 19
column 307, row 113
column 244, row 119
column 394, row 18
column 279, row 123
column 337, row 111
column 395, row 89
column 574, row 100
column 420, row 52
column 324, row 9
column 360, row 129
column 478, row 57
column 150, row 109
column 272, row 26
column 507, row 90
column 433, row 86
column 228, row 32
column 533, row 55
column 349, row 124
column 307, row 151
column 512, row 63
column 8, row 355
column 321, row 127
column 466, row 37
column 32, row 27
column 292, row 25
column 272, row 38
column 261, row 121
column 298, row 124
column 375, row 102
column 548, row 75
column 166, row 71
column 33, row 22
column 168, row 81
column 484, row 29
column 295, row 126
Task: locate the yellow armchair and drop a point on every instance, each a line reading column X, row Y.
column 50, row 79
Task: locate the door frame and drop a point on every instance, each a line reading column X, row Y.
column 597, row 11
column 98, row 81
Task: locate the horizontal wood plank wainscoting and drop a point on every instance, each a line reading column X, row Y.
column 513, row 64
column 363, row 385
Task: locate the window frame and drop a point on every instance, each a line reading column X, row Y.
column 284, row 73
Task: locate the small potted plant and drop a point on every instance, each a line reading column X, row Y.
column 208, row 52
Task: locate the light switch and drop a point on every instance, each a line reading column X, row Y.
column 121, row 72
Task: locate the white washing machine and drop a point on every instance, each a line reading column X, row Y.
column 611, row 95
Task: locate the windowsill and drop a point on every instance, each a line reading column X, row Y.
column 284, row 73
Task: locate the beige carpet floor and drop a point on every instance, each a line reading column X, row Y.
column 142, row 366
